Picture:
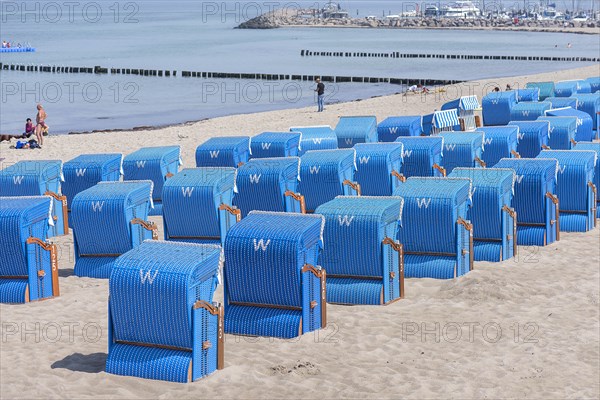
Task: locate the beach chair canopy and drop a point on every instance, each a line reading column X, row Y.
column 378, row 167
column 529, row 110
column 463, row 149
column 565, row 88
column 562, row 132
column 275, row 144
column 560, row 102
column 422, row 156
column 594, row 83
column 391, row 128
column 497, row 107
column 593, row 146
column 500, row 142
column 231, row 151
column 546, row 88
column 585, row 132
column 528, row 94
column 356, row 129
column 590, row 103
column 446, row 119
column 321, row 137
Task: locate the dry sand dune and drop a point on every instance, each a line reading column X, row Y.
column 524, row 328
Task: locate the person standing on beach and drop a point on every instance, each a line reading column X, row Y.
column 40, row 120
column 320, row 95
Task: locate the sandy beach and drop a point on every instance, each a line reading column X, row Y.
column 523, row 328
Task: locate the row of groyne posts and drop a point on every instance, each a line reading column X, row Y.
column 396, row 54
column 221, row 75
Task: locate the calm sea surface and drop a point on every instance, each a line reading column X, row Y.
column 199, row 36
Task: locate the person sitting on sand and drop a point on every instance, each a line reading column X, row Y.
column 496, row 89
column 29, row 128
column 41, row 124
column 508, row 87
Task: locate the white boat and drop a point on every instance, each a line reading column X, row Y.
column 431, row 11
column 461, row 9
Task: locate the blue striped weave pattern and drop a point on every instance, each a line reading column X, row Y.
column 594, row 147
column 275, row 144
column 461, row 149
column 546, row 89
column 585, row 124
column 420, row 154
column 529, row 110
column 316, row 138
column 391, row 128
column 497, row 107
column 230, row 151
column 533, row 135
column 356, row 129
column 562, row 132
column 590, row 103
column 500, row 142
column 375, row 163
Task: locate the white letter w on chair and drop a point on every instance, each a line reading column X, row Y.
column 261, row 244
column 345, row 220
column 147, row 277
column 423, row 202
column 255, row 178
column 97, row 206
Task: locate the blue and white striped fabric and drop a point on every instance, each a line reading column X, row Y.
column 275, row 144
column 590, row 103
column 262, row 184
column 562, row 132
column 231, row 151
column 353, row 130
column 109, row 219
column 378, row 167
column 162, row 322
column 469, row 103
column 195, row 205
column 529, row 94
column 533, row 136
column 585, row 125
column 463, row 149
column 38, row 178
column 422, row 156
column 273, row 286
column 535, row 199
column 361, row 263
column 560, row 102
column 446, row 120
column 437, row 244
column 575, row 188
column 594, row 147
column 391, row 128
column 529, row 110
column 28, row 265
column 594, row 83
column 497, row 107
column 320, row 137
column 500, row 142
column 86, row 170
column 546, row 89
column 565, row 88
column 153, row 163
column 494, row 222
column 325, row 174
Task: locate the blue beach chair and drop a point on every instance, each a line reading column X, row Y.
column 422, row 156
column 272, row 285
column 156, row 164
column 87, row 170
column 391, row 128
column 466, row 107
column 38, row 178
column 590, row 103
column 437, row 237
column 28, row 264
column 594, row 147
column 494, row 221
column 269, row 184
column 325, row 174
column 535, row 200
column 110, row 219
column 497, row 107
column 198, row 205
column 575, row 188
column 445, row 121
column 585, row 125
column 529, row 110
column 353, row 130
column 378, row 167
column 561, row 102
column 500, row 142
column 463, row 149
column 533, row 137
column 546, row 89
column 565, row 88
column 562, row 132
column 363, row 260
column 231, row 151
column 594, row 83
column 320, row 137
column 162, row 322
column 528, row 94
column 275, row 144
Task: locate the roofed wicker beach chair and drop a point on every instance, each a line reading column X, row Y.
column 466, row 107
column 528, row 94
column 585, row 125
column 533, row 137
column 463, row 149
column 582, row 86
column 275, row 144
column 87, row 170
column 529, row 110
column 230, row 151
column 378, row 167
column 590, row 103
column 560, row 102
column 575, row 188
column 363, row 259
column 273, row 286
column 325, row 174
column 435, row 232
column 353, row 130
column 197, row 205
column 445, row 121
column 269, row 184
column 319, row 137
column 546, row 89
column 162, row 322
column 500, row 142
column 391, row 128
column 594, row 83
column 594, row 147
column 110, row 219
column 422, row 156
column 565, row 88
column 28, row 264
column 562, row 132
column 535, row 200
column 494, row 221
column 497, row 107
column 37, row 178
column 156, row 164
